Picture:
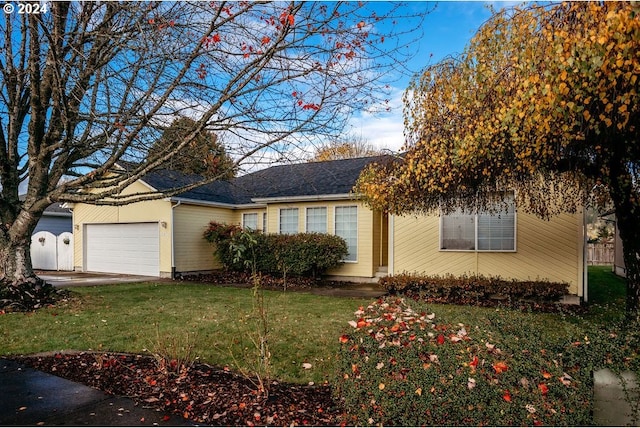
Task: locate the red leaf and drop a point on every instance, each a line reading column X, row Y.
column 474, row 362
column 500, row 367
column 507, row 396
column 216, row 38
column 440, row 339
column 165, row 418
column 544, row 389
column 344, row 338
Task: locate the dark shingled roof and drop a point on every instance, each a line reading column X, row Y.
column 302, row 179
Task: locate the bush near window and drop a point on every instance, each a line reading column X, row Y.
column 400, row 367
column 301, row 254
column 473, row 289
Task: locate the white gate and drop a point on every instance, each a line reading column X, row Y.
column 49, row 252
column 44, row 251
column 65, row 251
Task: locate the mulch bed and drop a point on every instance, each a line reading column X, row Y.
column 199, row 393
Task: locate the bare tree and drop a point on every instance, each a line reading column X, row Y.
column 86, row 85
column 346, row 148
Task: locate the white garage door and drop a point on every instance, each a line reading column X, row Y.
column 131, row 248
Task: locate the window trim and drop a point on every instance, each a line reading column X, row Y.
column 475, row 225
column 335, row 219
column 280, row 220
column 306, row 219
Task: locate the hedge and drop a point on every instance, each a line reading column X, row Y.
column 471, row 289
column 302, row 254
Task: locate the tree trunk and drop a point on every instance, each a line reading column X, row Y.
column 627, row 206
column 20, row 288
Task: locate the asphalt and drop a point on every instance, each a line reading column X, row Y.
column 29, row 397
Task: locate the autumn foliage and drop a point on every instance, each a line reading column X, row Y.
column 544, row 100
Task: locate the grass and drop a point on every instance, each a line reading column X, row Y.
column 214, row 323
column 607, row 294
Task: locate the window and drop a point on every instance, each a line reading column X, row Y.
column 250, row 221
column 288, row 220
column 347, row 228
column 479, row 232
column 317, row 219
column 264, row 222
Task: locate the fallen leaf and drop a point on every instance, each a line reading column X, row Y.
column 471, row 383
column 22, row 408
column 344, row 338
column 381, row 386
column 306, row 366
column 506, row 397
column 500, row 367
column 544, row 389
column 419, row 391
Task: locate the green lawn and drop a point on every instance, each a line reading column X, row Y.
column 215, row 324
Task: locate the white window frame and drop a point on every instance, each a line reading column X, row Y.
column 244, row 220
column 335, row 231
column 297, row 220
column 306, row 219
column 475, row 249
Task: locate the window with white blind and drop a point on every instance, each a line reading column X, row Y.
column 317, row 219
column 250, row 221
column 346, row 227
column 288, row 221
column 495, row 231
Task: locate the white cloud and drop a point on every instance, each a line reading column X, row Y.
column 384, row 130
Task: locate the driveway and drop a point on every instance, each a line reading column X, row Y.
column 71, row 279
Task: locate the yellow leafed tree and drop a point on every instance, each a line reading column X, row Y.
column 544, row 100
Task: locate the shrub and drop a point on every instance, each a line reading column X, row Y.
column 397, row 366
column 471, row 289
column 220, row 235
column 302, row 254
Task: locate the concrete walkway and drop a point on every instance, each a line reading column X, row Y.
column 31, row 397
column 71, row 279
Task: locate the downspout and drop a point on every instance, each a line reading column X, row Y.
column 391, row 230
column 173, row 257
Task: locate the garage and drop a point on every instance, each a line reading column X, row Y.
column 128, row 248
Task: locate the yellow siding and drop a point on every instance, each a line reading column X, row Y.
column 148, row 211
column 192, row 253
column 550, row 250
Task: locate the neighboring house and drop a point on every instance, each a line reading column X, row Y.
column 163, row 237
column 55, row 219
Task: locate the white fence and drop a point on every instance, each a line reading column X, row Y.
column 51, row 252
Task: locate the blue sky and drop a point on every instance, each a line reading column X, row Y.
column 447, row 30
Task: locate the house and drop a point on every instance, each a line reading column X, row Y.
column 163, row 237
column 56, row 219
